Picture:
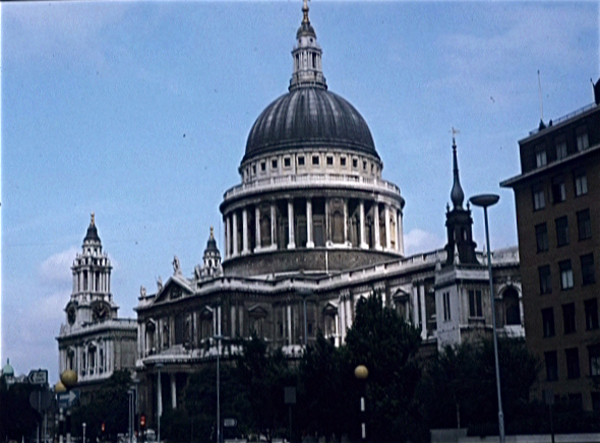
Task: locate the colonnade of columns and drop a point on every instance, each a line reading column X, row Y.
column 313, row 222
column 91, row 281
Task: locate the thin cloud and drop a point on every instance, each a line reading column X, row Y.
column 418, row 240
column 57, row 268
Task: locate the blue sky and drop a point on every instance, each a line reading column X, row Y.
column 139, row 112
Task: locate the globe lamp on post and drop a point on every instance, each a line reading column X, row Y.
column 484, row 201
column 361, row 373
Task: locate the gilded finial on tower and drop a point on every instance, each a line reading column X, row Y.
column 93, row 223
column 212, row 232
column 305, row 12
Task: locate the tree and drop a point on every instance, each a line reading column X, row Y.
column 17, row 418
column 388, row 347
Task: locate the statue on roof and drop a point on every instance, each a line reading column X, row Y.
column 176, row 266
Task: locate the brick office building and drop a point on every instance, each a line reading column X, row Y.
column 557, row 199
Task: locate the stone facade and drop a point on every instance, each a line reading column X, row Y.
column 311, row 229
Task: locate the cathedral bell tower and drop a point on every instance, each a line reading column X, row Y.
column 91, row 299
column 459, row 223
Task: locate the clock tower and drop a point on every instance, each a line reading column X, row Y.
column 91, row 300
column 93, row 341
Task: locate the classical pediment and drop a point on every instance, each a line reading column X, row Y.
column 173, row 289
column 257, row 311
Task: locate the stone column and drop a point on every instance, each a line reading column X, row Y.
column 388, row 239
column 376, row 223
column 289, row 325
column 235, row 250
column 245, row 231
column 423, row 312
column 363, row 243
column 400, row 240
column 173, row 392
column 227, row 236
column 309, row 224
column 273, row 226
column 415, row 304
column 257, row 235
column 292, row 242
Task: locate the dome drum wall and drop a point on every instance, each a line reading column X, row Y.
column 315, row 261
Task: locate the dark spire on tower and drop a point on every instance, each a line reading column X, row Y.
column 456, row 195
column 460, row 248
column 92, row 232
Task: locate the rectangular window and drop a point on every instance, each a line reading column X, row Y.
column 342, row 161
column 539, row 197
column 274, row 164
column 545, row 279
column 263, row 166
column 569, row 318
column 581, row 184
column 364, row 165
column 566, row 274
column 287, row 162
column 551, row 366
column 541, row 235
column 540, row 156
column 584, row 224
column 562, row 231
column 301, row 160
column 582, row 141
column 591, row 314
column 446, row 300
column 475, row 305
column 588, row 275
column 594, row 359
column 253, row 169
column 355, row 163
column 315, row 160
column 329, row 160
column 561, row 150
column 559, row 191
column 572, row 356
column 548, row 322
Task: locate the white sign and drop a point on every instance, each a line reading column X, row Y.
column 39, row 377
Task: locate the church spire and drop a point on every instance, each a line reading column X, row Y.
column 307, row 56
column 457, row 195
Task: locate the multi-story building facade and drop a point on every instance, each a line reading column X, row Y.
column 314, row 224
column 557, row 199
column 94, row 342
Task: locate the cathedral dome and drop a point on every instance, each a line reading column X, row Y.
column 309, row 117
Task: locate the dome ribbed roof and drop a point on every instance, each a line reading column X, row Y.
column 309, row 117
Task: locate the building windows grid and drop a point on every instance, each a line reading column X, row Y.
column 562, row 231
column 572, row 356
column 569, row 318
column 584, row 224
column 559, row 191
column 545, row 279
column 446, row 302
column 594, row 360
column 541, row 235
column 539, row 197
column 551, row 365
column 581, row 184
column 591, row 314
column 475, row 304
column 566, row 274
column 588, row 275
column 548, row 322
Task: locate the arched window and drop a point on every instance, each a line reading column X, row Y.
column 511, row 306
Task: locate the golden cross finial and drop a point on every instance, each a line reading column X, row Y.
column 454, row 132
column 305, row 11
column 93, row 221
column 212, row 232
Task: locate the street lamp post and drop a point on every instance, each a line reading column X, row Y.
column 361, row 372
column 218, row 339
column 130, row 421
column 83, row 425
column 158, row 402
column 485, row 200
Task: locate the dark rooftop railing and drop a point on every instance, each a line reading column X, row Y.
column 564, row 118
